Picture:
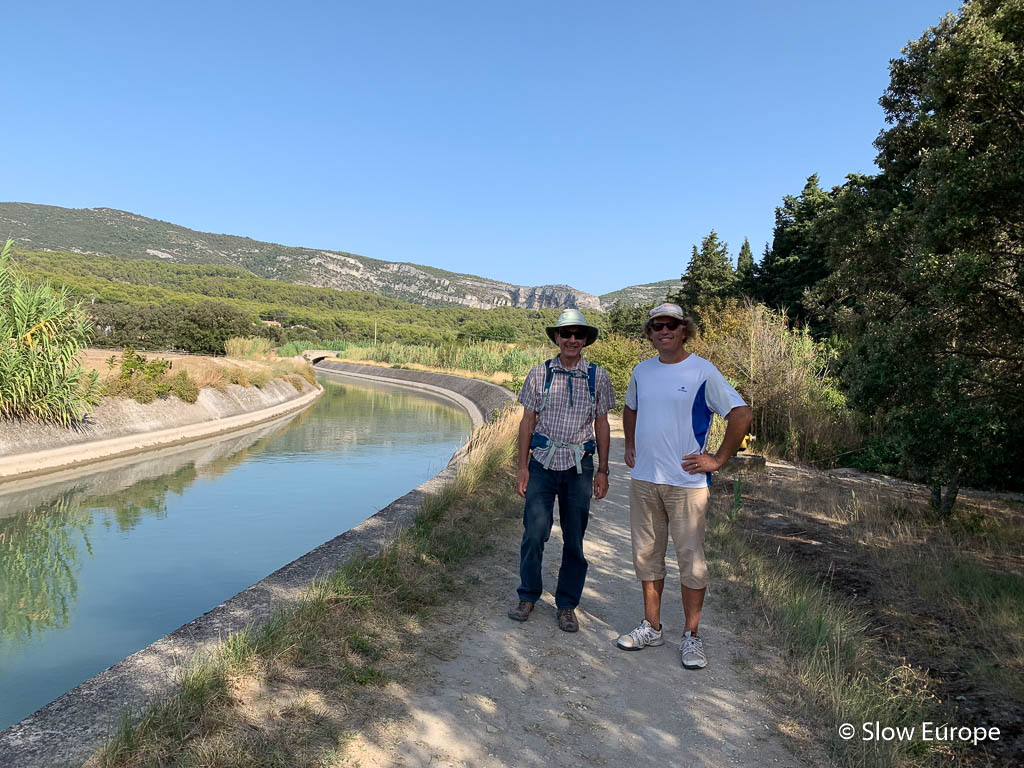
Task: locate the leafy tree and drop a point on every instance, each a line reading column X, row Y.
column 709, row 278
column 745, row 270
column 208, row 325
column 797, row 259
column 928, row 286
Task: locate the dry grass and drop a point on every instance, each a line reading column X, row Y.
column 216, row 372
column 889, row 614
column 288, row 694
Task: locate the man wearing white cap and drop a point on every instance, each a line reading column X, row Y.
column 565, row 422
column 669, row 405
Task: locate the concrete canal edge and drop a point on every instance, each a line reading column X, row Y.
column 68, row 731
column 121, row 427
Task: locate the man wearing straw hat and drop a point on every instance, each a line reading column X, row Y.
column 565, row 422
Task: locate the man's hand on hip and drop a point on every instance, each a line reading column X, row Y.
column 523, row 480
column 695, row 463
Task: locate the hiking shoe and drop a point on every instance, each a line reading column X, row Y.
column 521, row 612
column 641, row 637
column 567, row 620
column 691, row 652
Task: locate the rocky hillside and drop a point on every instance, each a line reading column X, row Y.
column 109, row 231
column 648, row 294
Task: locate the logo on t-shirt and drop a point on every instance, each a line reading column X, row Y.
column 681, row 389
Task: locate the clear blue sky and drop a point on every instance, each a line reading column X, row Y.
column 535, row 141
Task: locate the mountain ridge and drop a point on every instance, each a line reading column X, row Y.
column 123, row 233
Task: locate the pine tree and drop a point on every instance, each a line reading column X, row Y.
column 797, row 259
column 709, row 278
column 745, row 270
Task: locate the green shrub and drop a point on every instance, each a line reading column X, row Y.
column 41, row 332
column 185, row 387
column 799, row 411
column 618, row 354
column 144, row 380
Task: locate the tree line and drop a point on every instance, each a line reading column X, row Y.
column 910, row 279
column 152, row 304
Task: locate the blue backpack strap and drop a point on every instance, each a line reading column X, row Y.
column 548, row 376
column 592, row 386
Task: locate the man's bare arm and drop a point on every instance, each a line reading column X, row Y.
column 629, row 427
column 603, row 435
column 526, row 426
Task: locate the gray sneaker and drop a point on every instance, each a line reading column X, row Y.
column 641, row 637
column 691, row 652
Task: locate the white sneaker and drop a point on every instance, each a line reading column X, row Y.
column 691, row 652
column 641, row 637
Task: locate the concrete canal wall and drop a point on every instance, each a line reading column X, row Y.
column 69, row 729
column 121, row 427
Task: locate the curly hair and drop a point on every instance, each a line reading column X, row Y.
column 688, row 324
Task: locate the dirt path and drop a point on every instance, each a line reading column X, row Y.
column 499, row 693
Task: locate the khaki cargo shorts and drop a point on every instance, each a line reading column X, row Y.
column 655, row 510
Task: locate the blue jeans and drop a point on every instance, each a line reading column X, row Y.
column 573, row 491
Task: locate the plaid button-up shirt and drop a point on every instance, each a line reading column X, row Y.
column 564, row 419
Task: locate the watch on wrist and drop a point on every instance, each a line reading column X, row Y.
column 602, row 471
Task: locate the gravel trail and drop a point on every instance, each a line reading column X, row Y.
column 500, row 693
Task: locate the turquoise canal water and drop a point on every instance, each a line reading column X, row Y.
column 95, row 568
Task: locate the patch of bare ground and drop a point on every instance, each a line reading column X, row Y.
column 942, row 599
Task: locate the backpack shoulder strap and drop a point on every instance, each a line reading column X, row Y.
column 592, row 386
column 549, row 374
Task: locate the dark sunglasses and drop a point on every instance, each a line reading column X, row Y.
column 567, row 333
column 670, row 324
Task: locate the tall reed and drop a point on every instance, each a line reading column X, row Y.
column 483, row 357
column 253, row 346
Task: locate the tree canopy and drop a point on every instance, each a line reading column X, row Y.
column 927, row 284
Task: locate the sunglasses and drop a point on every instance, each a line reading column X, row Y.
column 568, row 333
column 670, row 324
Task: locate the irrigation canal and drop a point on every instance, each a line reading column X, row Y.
column 95, row 568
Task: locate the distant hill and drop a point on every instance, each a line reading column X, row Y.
column 108, row 231
column 648, row 294
column 120, row 233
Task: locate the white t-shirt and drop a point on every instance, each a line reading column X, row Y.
column 673, row 404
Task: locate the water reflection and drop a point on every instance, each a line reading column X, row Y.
column 44, row 532
column 39, row 552
column 98, row 564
